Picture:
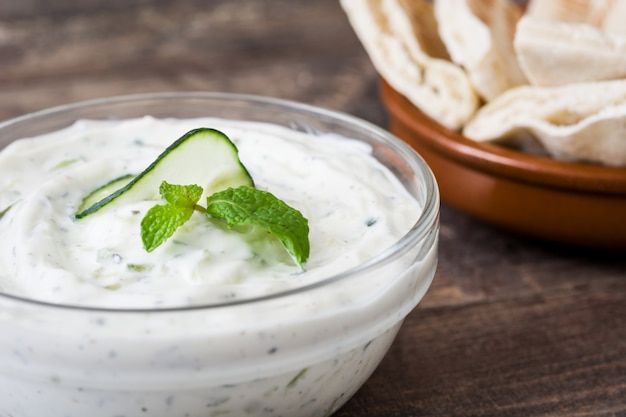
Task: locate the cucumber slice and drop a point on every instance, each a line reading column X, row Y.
column 104, row 191
column 206, row 157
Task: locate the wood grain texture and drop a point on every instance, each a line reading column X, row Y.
column 510, row 327
column 294, row 50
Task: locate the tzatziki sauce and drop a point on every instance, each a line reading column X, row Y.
column 355, row 208
column 214, row 322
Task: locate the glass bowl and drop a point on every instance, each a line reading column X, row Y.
column 274, row 355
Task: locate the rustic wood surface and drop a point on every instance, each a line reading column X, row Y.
column 510, row 327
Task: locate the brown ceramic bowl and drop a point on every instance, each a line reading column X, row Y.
column 537, row 196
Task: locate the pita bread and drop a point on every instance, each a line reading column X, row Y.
column 414, row 23
column 578, row 122
column 574, row 11
column 607, row 15
column 396, row 41
column 614, row 20
column 479, row 36
column 551, row 53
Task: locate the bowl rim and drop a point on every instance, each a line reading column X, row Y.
column 500, row 161
column 420, row 231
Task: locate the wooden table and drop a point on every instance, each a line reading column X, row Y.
column 510, row 327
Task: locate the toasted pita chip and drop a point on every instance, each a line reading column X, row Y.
column 391, row 36
column 608, row 15
column 557, row 53
column 577, row 122
column 479, row 36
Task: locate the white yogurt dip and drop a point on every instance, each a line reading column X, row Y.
column 302, row 352
column 356, row 208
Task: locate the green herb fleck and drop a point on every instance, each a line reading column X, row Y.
column 295, row 379
column 3, row 212
column 65, row 163
column 138, row 267
column 113, row 287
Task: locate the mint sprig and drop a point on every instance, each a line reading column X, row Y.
column 239, row 206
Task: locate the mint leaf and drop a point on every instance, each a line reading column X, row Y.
column 250, row 206
column 161, row 221
column 180, row 195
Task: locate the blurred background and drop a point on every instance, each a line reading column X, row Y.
column 54, row 52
